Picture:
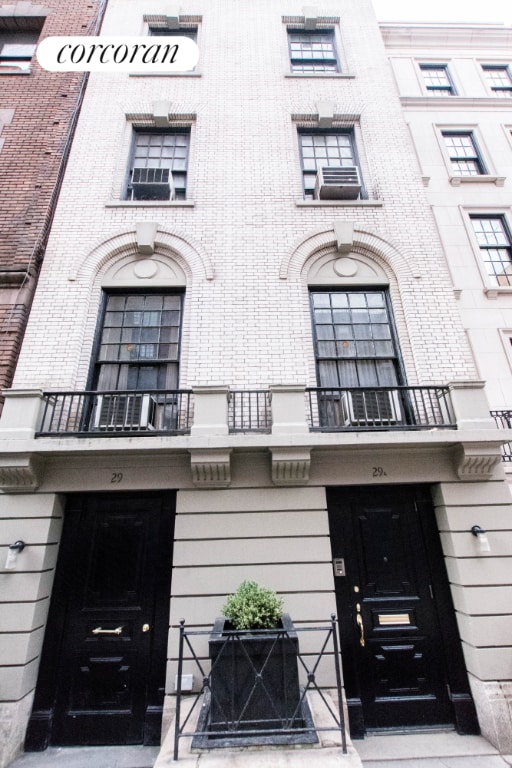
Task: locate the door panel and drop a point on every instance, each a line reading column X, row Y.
column 393, row 645
column 109, row 619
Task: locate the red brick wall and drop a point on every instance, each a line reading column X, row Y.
column 33, row 149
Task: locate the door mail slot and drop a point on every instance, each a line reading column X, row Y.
column 394, row 618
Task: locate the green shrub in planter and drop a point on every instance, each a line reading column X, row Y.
column 253, row 607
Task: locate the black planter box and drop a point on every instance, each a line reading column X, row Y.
column 254, row 678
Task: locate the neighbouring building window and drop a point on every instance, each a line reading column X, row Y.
column 493, row 236
column 355, row 348
column 499, row 79
column 437, row 80
column 464, row 154
column 330, row 168
column 313, row 51
column 17, row 50
column 158, row 169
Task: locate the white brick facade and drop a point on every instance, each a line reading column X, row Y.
column 246, row 326
column 246, row 247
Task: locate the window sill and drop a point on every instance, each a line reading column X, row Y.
column 335, row 75
column 484, row 178
column 495, row 291
column 339, row 203
column 165, row 74
column 150, row 204
column 5, row 71
column 480, row 102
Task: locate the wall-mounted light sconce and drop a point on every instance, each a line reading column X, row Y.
column 12, row 554
column 483, row 541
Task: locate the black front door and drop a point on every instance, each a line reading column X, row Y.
column 109, row 621
column 401, row 653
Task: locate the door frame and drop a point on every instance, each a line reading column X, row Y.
column 459, row 693
column 39, row 729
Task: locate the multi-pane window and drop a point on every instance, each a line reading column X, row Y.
column 356, row 355
column 140, row 342
column 353, row 339
column 190, row 32
column 464, row 154
column 159, row 165
column 437, row 80
column 499, row 79
column 17, row 50
column 312, row 51
column 495, row 243
column 325, row 150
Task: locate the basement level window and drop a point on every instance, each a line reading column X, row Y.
column 16, row 51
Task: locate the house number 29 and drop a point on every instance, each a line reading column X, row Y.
column 378, row 472
column 116, row 477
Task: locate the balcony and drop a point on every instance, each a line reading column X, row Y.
column 209, row 429
column 379, row 408
column 116, row 413
column 249, row 410
column 503, row 420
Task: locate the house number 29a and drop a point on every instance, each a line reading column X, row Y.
column 116, row 477
column 378, row 472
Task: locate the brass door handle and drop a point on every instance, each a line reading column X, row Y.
column 100, row 631
column 359, row 620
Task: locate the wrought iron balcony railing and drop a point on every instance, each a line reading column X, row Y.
column 116, row 413
column 380, row 408
column 249, row 410
column 503, row 420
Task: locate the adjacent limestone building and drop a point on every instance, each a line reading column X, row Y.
column 246, row 359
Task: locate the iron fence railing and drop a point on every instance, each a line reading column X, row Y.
column 116, row 413
column 249, row 410
column 379, row 408
column 503, row 420
column 225, row 729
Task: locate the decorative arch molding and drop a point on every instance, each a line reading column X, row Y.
column 155, row 271
column 190, row 258
column 316, row 245
column 328, row 268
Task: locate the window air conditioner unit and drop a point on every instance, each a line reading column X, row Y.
column 152, row 184
column 124, row 413
column 338, row 183
column 372, row 408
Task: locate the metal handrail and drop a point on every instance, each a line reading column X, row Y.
column 379, row 408
column 503, row 419
column 116, row 413
column 308, row 664
column 249, row 410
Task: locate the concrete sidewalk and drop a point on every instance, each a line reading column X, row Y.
column 435, row 749
column 424, row 750
column 89, row 757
